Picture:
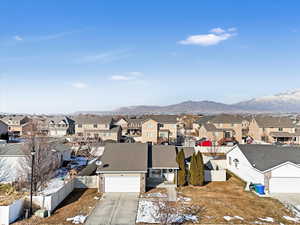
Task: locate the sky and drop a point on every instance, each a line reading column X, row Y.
column 62, row 56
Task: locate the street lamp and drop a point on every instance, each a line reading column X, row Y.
column 32, row 176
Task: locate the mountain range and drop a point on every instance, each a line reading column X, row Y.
column 287, row 102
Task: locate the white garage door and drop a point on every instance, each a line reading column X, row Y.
column 122, row 183
column 285, row 185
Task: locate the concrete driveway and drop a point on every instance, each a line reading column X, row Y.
column 115, row 209
column 290, row 198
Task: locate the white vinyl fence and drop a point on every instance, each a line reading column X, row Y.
column 86, row 182
column 11, row 213
column 215, row 175
column 51, row 201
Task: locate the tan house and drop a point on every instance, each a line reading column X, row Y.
column 130, row 126
column 160, row 128
column 15, row 124
column 97, row 127
column 223, row 126
column 210, row 131
column 273, row 129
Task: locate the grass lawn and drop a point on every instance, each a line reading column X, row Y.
column 229, row 199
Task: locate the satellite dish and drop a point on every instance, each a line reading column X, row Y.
column 98, row 163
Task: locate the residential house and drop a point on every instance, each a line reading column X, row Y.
column 97, row 127
column 160, row 128
column 131, row 127
column 15, row 124
column 37, row 124
column 223, row 126
column 276, row 167
column 152, row 165
column 60, row 126
column 14, row 159
column 210, row 131
column 3, row 130
column 273, row 129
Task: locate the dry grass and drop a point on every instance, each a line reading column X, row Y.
column 79, row 202
column 8, row 194
column 229, row 199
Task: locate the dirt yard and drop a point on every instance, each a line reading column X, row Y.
column 8, row 194
column 229, row 199
column 79, row 202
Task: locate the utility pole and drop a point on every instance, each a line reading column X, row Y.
column 32, row 175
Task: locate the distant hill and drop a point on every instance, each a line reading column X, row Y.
column 288, row 102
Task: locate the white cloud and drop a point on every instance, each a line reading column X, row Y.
column 127, row 76
column 215, row 36
column 79, row 85
column 217, row 30
column 18, row 38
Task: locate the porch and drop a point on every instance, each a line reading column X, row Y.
column 161, row 178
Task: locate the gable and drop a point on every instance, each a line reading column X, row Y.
column 286, row 170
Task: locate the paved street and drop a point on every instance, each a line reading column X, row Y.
column 115, row 209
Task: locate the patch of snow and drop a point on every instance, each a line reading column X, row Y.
column 155, row 195
column 184, row 199
column 228, row 218
column 77, row 219
column 148, row 211
column 294, row 219
column 267, row 219
column 53, row 186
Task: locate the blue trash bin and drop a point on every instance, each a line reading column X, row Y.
column 260, row 189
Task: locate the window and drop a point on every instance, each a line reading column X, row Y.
column 230, row 161
column 280, row 129
column 95, row 125
column 79, row 125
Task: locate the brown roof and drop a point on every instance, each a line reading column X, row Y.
column 92, row 119
column 164, row 156
column 168, row 119
column 272, row 121
column 227, row 118
column 124, row 157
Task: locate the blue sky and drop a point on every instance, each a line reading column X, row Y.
column 64, row 56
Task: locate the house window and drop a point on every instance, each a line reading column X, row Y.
column 95, row 125
column 79, row 125
column 280, row 129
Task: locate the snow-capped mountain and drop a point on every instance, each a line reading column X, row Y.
column 284, row 102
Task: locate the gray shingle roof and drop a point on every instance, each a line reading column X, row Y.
column 92, row 119
column 264, row 157
column 124, row 157
column 271, row 121
column 13, row 149
column 227, row 118
column 169, row 119
column 164, row 156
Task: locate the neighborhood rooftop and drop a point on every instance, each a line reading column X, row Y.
column 264, row 157
column 164, row 156
column 125, row 157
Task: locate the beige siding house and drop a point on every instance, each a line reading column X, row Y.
column 97, row 127
column 15, row 124
column 273, row 129
column 160, row 128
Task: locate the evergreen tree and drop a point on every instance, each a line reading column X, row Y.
column 182, row 168
column 193, row 171
column 200, row 169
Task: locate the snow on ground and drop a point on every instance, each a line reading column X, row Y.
column 77, row 219
column 183, row 199
column 54, row 185
column 155, row 195
column 148, row 213
column 228, row 218
column 294, row 219
column 267, row 219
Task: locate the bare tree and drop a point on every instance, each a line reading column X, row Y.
column 46, row 159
